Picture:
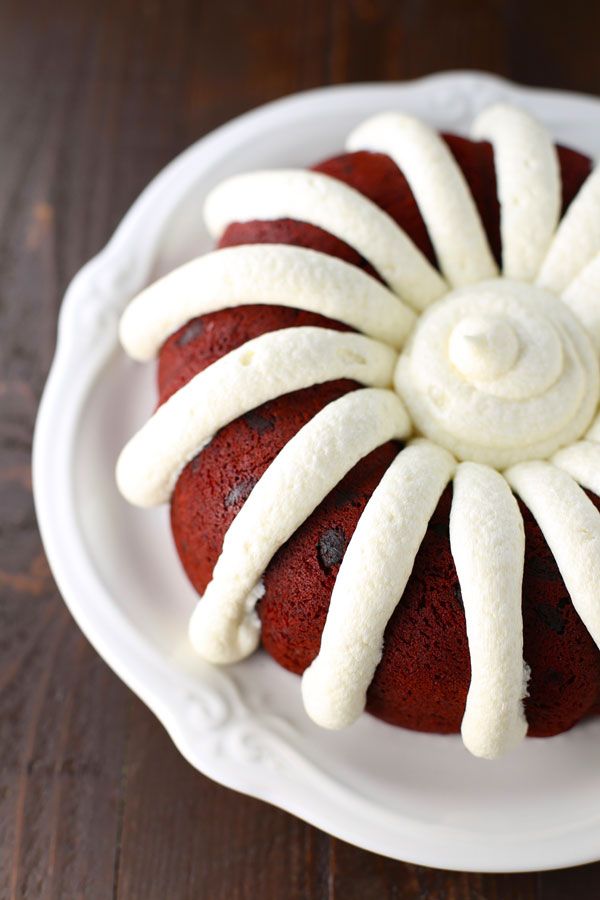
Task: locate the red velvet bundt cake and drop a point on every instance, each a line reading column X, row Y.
column 376, row 428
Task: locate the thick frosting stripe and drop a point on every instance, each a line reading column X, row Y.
column 323, row 201
column 577, row 240
column 224, row 627
column 570, row 524
column 529, row 189
column 266, row 367
column 582, row 297
column 488, row 545
column 263, row 273
column 582, row 462
column 371, row 581
column 440, row 190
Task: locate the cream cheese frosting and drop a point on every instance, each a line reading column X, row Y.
column 583, row 299
column 320, row 200
column 224, row 627
column 488, row 545
column 593, row 433
column 440, row 190
column 500, row 373
column 528, row 180
column 263, row 273
column 582, row 462
column 372, row 576
column 577, row 239
column 570, row 524
column 263, row 368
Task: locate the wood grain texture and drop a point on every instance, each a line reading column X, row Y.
column 95, row 802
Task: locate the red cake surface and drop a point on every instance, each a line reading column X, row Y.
column 423, row 678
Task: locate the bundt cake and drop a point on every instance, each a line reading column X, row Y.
column 376, row 427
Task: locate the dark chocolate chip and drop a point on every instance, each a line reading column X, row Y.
column 257, row 422
column 555, row 678
column 551, row 616
column 543, row 568
column 458, row 594
column 440, row 528
column 332, row 546
column 240, row 492
column 345, row 496
column 193, row 330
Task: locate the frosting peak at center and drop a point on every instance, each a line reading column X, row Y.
column 499, row 372
column 483, row 347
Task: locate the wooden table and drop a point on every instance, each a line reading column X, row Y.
column 95, row 802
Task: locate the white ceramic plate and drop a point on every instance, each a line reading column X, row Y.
column 414, row 797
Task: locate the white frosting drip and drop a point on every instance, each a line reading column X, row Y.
column 577, row 240
column 223, row 628
column 488, row 545
column 583, row 298
column 440, row 190
column 323, row 201
column 570, row 524
column 371, row 580
column 263, row 273
column 266, row 367
column 582, row 462
column 528, row 178
column 499, row 372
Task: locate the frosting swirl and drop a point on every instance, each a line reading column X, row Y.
column 499, row 372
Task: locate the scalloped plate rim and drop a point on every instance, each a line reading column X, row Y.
column 134, row 659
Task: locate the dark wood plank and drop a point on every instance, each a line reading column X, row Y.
column 95, row 802
column 357, row 874
column 221, row 845
column 386, row 40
